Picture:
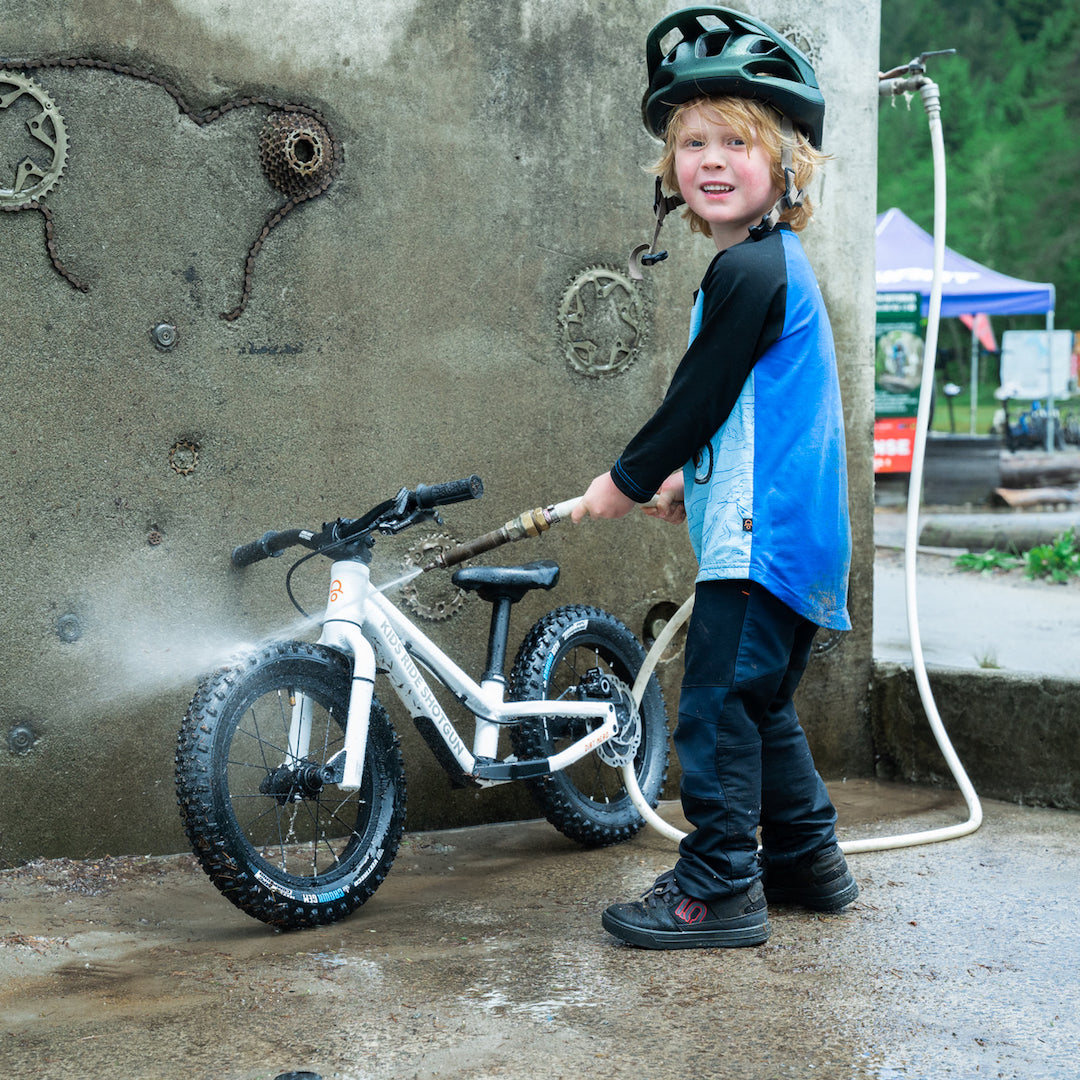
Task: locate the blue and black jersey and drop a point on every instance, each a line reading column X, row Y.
column 753, row 416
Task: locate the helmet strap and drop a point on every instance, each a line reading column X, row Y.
column 793, row 196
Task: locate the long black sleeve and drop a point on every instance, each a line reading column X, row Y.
column 743, row 311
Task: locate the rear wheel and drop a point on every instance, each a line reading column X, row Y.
column 278, row 837
column 582, row 653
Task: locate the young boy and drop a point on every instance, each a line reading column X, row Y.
column 748, row 448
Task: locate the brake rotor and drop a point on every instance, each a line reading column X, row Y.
column 39, row 171
column 620, row 749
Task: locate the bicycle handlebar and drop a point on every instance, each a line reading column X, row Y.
column 266, row 547
column 393, row 515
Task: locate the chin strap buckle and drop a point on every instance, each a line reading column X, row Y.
column 792, row 197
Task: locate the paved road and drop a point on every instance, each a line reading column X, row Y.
column 971, row 620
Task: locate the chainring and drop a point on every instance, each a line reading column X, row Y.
column 36, row 173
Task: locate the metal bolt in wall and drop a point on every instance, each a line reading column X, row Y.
column 163, row 335
column 21, row 739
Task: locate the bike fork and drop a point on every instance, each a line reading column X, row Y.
column 342, row 630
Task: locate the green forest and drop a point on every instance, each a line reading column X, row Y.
column 1011, row 122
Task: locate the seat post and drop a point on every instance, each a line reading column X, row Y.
column 498, row 634
column 503, row 586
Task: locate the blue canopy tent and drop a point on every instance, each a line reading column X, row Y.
column 904, row 263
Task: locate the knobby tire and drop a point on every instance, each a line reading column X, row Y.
column 290, row 858
column 588, row 801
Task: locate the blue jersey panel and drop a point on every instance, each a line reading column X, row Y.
column 767, row 498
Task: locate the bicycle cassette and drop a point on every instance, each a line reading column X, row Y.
column 431, row 596
column 40, row 168
column 296, row 153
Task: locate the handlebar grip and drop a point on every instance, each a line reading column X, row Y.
column 267, row 546
column 429, row 495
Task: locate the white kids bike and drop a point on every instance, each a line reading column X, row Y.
column 288, row 771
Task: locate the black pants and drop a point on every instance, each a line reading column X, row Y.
column 745, row 760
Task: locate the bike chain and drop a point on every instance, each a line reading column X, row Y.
column 200, row 118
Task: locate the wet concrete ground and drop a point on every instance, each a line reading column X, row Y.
column 482, row 956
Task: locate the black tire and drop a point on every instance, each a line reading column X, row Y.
column 290, row 856
column 587, row 801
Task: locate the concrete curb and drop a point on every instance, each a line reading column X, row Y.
column 1017, row 736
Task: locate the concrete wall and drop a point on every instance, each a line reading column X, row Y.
column 402, row 326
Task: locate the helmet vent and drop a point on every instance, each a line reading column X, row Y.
column 671, row 41
column 775, row 67
column 713, row 44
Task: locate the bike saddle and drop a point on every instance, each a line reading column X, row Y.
column 510, row 582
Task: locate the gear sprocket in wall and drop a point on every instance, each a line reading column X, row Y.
column 39, row 170
column 297, row 153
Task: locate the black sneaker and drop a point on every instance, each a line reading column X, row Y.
column 821, row 882
column 666, row 918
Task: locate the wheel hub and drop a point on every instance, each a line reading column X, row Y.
column 621, row 748
column 289, row 783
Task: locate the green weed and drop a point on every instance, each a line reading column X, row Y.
column 1059, row 560
column 988, row 561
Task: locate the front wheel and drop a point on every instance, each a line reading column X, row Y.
column 582, row 653
column 276, row 835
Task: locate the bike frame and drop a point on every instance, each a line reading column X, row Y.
column 361, row 622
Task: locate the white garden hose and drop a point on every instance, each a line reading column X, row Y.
column 932, row 103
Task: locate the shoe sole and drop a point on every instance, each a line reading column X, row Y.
column 823, row 902
column 734, row 937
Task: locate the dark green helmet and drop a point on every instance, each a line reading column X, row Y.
column 723, row 52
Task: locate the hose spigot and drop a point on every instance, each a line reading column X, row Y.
column 909, row 78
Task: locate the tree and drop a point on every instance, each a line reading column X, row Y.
column 1011, row 123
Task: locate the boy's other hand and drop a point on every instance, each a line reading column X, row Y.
column 602, row 500
column 668, row 504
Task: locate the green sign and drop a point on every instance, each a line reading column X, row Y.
column 898, row 356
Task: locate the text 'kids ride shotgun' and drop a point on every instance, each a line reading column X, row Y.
column 740, row 115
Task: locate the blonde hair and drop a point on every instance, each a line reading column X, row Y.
column 752, row 121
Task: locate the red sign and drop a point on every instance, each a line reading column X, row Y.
column 894, row 444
